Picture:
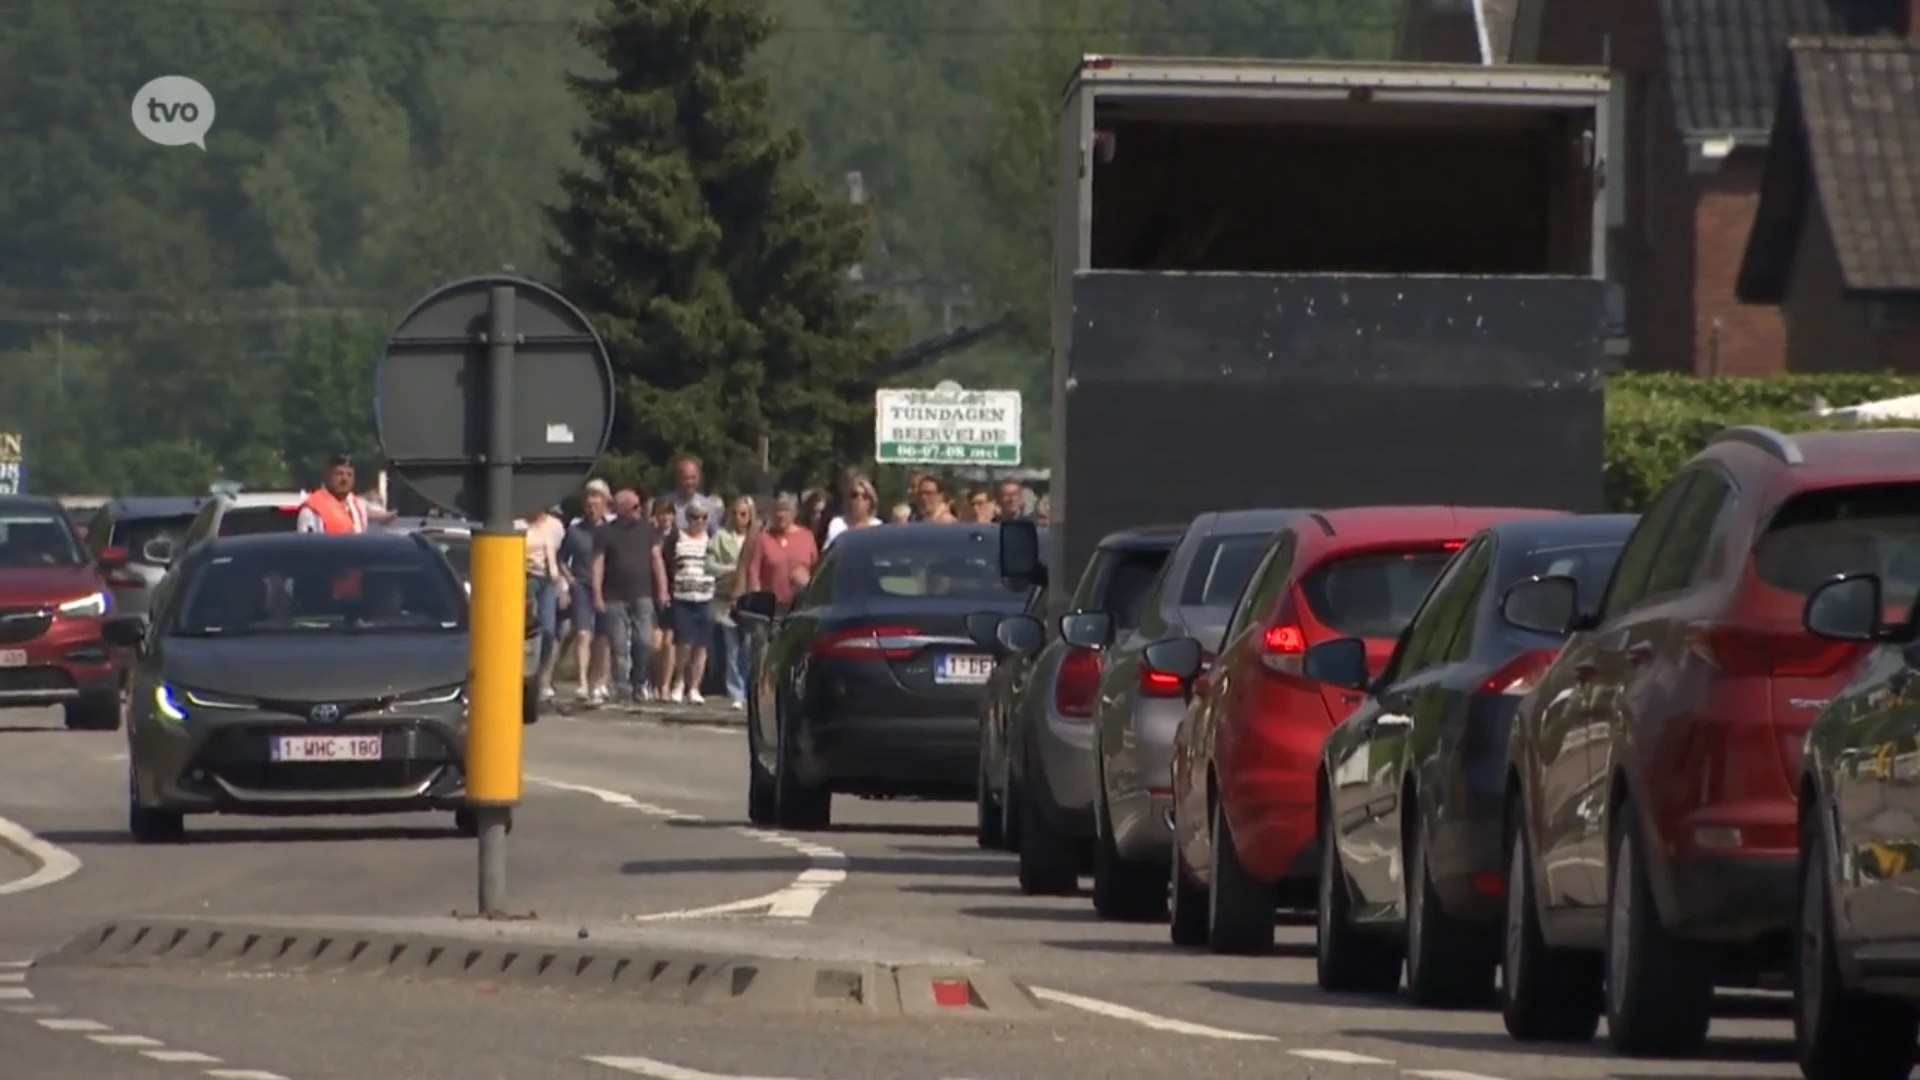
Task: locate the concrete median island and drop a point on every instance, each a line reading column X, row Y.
column 758, row 966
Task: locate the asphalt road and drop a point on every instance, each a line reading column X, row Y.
column 628, row 820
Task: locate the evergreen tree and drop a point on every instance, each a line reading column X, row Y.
column 716, row 272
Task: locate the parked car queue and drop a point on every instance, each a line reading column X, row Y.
column 1580, row 767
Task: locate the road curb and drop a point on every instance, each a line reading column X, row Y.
column 530, row 954
column 684, row 717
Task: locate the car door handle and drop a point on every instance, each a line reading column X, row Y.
column 1639, row 652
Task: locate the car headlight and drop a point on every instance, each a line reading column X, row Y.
column 168, row 704
column 216, row 701
column 445, row 695
column 91, row 606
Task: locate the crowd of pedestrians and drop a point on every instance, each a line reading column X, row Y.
column 641, row 592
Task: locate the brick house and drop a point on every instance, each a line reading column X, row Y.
column 1836, row 242
column 1696, row 80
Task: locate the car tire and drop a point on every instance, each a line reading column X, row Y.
column 1345, row 959
column 1123, row 891
column 1659, row 987
column 1241, row 911
column 988, row 820
column 1546, row 994
column 1450, row 963
column 99, row 711
column 1186, row 901
column 1839, row 1034
column 530, row 703
column 760, row 785
column 1010, row 800
column 796, row 803
column 1049, row 858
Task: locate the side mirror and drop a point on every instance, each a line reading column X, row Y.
column 1179, row 657
column 112, row 558
column 1341, row 662
column 1020, row 635
column 1020, row 563
column 1848, row 608
column 158, row 551
column 1544, row 605
column 127, row 631
column 756, row 605
column 981, row 626
column 1087, row 629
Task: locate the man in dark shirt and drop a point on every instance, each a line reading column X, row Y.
column 629, row 578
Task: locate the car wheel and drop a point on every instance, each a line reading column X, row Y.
column 1659, row 987
column 94, row 712
column 1840, row 1034
column 988, row 821
column 760, row 785
column 796, row 803
column 1450, row 963
column 1049, row 858
column 150, row 826
column 530, row 702
column 1347, row 961
column 1010, row 800
column 1122, row 891
column 1186, row 901
column 1241, row 911
column 1546, row 994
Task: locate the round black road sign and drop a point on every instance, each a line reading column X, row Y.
column 435, row 410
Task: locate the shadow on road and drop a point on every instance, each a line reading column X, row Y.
column 256, row 835
column 1007, row 892
column 26, row 729
column 1301, row 993
column 1119, row 948
column 1743, row 1051
column 900, row 829
column 865, row 864
column 970, row 850
column 1032, row 914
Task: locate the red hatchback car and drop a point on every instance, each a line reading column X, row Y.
column 53, row 601
column 1246, row 755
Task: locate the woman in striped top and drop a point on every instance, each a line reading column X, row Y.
column 690, row 612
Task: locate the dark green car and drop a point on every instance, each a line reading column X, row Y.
column 298, row 675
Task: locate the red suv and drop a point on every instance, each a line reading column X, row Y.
column 52, row 603
column 1652, row 821
column 1247, row 753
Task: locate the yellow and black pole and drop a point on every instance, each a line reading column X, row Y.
column 495, row 728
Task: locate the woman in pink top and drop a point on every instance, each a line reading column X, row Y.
column 780, row 549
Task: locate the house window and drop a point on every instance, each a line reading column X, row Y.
column 1894, row 313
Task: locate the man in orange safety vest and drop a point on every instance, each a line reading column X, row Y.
column 334, row 508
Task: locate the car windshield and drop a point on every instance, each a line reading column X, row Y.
column 458, row 550
column 1588, row 564
column 29, row 538
column 1372, row 596
column 287, row 591
column 131, row 535
column 1221, row 568
column 255, row 520
column 958, row 568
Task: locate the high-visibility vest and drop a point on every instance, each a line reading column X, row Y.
column 348, row 515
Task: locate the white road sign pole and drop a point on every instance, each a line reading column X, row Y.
column 947, row 425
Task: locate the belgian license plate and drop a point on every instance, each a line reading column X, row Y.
column 969, row 668
column 326, row 748
column 13, row 658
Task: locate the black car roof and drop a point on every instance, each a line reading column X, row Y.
column 1572, row 529
column 918, row 535
column 273, row 542
column 1144, row 538
column 31, row 502
column 1269, row 520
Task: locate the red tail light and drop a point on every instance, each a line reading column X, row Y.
column 1283, row 649
column 1159, row 684
column 1076, row 689
column 1520, row 674
column 1745, row 650
column 870, row 643
column 1453, row 545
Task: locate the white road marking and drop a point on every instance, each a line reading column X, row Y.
column 662, row 1070
column 243, row 1074
column 1145, row 1019
column 181, row 1057
column 29, row 1010
column 68, row 1023
column 56, row 863
column 133, row 1042
column 797, row 901
column 1447, row 1074
column 1339, row 1057
column 14, row 993
column 15, row 964
column 13, row 976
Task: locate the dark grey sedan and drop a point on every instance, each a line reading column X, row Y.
column 298, row 675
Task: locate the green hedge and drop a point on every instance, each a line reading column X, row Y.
column 1656, row 422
